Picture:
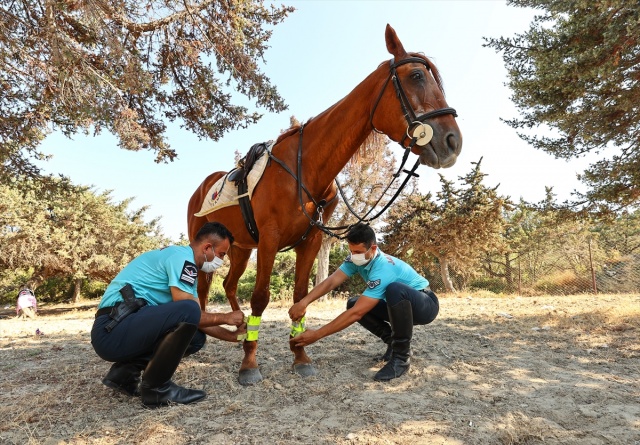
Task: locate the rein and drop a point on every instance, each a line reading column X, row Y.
column 421, row 135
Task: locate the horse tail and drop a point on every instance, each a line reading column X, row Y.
column 194, row 223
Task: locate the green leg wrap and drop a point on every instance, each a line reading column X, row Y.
column 298, row 328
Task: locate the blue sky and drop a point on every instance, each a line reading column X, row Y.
column 319, row 54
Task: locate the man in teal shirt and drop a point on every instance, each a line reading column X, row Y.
column 396, row 299
column 149, row 318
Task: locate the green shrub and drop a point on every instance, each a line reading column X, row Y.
column 10, row 283
column 495, row 285
column 92, row 289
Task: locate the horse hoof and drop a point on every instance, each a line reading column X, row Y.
column 305, row 369
column 249, row 376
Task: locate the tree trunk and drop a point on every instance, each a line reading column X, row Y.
column 508, row 271
column 76, row 290
column 323, row 259
column 444, row 273
column 35, row 282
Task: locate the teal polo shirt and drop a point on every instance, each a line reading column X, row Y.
column 152, row 275
column 383, row 270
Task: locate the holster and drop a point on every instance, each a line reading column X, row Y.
column 122, row 310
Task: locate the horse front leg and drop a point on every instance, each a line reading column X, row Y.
column 305, row 256
column 249, row 371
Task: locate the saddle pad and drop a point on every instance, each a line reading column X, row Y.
column 225, row 193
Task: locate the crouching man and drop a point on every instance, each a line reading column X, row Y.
column 149, row 318
column 396, row 299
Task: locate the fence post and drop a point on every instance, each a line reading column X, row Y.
column 519, row 276
column 593, row 272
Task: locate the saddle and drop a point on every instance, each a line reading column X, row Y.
column 239, row 174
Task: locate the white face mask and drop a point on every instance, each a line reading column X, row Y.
column 359, row 259
column 211, row 266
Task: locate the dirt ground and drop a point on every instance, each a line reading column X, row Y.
column 543, row 370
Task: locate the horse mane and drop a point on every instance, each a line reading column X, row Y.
column 286, row 133
column 368, row 148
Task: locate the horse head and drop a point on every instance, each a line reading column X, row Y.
column 411, row 108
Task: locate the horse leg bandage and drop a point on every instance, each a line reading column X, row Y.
column 298, row 328
column 253, row 327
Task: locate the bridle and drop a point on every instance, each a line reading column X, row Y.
column 418, row 132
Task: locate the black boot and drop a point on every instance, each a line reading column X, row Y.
column 401, row 317
column 157, row 388
column 125, row 377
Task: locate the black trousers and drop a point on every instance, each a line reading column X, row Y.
column 424, row 304
column 136, row 336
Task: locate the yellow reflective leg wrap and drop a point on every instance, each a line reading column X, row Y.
column 298, row 328
column 253, row 327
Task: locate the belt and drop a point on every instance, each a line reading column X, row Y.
column 105, row 310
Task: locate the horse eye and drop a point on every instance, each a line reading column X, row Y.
column 417, row 75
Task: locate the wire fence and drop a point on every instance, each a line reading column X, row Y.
column 591, row 267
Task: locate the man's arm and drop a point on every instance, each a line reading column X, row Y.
column 224, row 334
column 297, row 311
column 345, row 319
column 208, row 319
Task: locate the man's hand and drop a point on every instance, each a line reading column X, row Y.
column 240, row 330
column 297, row 311
column 306, row 338
column 235, row 318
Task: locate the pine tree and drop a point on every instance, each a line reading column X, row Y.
column 129, row 68
column 73, row 233
column 576, row 72
column 456, row 228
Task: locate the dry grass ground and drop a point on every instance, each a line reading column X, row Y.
column 543, row 370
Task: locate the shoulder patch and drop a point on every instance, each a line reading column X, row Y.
column 373, row 284
column 189, row 273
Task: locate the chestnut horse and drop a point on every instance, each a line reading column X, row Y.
column 403, row 99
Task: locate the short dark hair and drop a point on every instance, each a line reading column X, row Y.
column 361, row 234
column 216, row 229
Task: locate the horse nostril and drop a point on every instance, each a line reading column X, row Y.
column 453, row 142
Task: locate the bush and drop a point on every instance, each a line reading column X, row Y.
column 216, row 291
column 10, row 283
column 564, row 283
column 92, row 289
column 495, row 285
column 280, row 288
column 246, row 284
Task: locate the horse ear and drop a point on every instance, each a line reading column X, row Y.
column 394, row 45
